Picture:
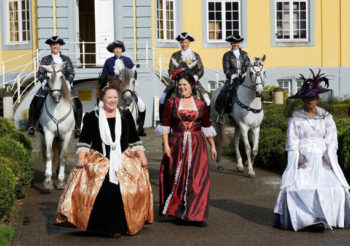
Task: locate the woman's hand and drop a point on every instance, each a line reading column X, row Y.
column 167, row 150
column 213, row 153
column 142, row 157
column 81, row 159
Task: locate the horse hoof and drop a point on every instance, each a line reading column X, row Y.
column 220, row 168
column 240, row 169
column 48, row 185
column 60, row 185
column 251, row 175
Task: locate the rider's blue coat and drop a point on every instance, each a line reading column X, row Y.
column 108, row 68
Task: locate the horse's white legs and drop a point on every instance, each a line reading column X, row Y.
column 255, row 136
column 247, row 150
column 48, row 185
column 62, row 160
column 236, row 146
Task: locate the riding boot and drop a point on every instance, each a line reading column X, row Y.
column 141, row 122
column 34, row 114
column 78, row 114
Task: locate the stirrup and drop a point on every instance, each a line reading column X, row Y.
column 31, row 131
column 220, row 119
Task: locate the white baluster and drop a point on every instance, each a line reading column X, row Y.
column 83, row 43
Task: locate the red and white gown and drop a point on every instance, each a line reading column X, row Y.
column 184, row 178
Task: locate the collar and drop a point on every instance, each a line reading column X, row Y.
column 320, row 114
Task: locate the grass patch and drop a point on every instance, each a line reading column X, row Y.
column 6, row 235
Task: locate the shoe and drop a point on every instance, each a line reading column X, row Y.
column 142, row 132
column 317, row 227
column 77, row 133
column 31, row 131
column 200, row 223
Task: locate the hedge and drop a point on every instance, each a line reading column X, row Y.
column 7, row 190
column 8, row 130
column 23, row 162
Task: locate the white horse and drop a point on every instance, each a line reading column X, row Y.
column 57, row 120
column 247, row 114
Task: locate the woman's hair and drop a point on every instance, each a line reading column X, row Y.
column 190, row 79
column 109, row 83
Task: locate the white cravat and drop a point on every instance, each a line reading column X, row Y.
column 236, row 53
column 187, row 55
column 57, row 59
column 118, row 65
column 115, row 153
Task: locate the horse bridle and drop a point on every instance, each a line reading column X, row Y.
column 253, row 87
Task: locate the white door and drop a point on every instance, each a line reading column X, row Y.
column 104, row 29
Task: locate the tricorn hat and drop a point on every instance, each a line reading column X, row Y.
column 55, row 40
column 311, row 87
column 117, row 43
column 185, row 35
column 234, row 38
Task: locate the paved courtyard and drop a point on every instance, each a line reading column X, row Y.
column 240, row 212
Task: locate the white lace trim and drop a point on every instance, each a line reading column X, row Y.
column 161, row 130
column 209, row 131
column 82, row 149
column 188, row 168
column 137, row 147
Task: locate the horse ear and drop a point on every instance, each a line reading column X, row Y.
column 59, row 67
column 47, row 68
column 175, row 62
column 263, row 58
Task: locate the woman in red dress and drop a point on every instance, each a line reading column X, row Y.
column 184, row 172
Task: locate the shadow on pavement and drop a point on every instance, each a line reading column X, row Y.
column 255, row 214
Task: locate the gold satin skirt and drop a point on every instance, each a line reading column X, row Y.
column 83, row 185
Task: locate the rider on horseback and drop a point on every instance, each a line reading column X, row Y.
column 235, row 63
column 113, row 66
column 186, row 59
column 55, row 43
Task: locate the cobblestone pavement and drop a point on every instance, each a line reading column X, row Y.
column 240, row 212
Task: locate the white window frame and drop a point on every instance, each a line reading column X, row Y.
column 20, row 23
column 223, row 11
column 291, row 21
column 289, row 88
column 164, row 21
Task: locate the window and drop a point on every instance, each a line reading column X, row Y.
column 291, row 20
column 223, row 18
column 18, row 22
column 285, row 84
column 166, row 20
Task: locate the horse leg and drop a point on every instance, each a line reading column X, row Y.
column 48, row 184
column 255, row 136
column 236, row 147
column 244, row 130
column 62, row 161
column 218, row 145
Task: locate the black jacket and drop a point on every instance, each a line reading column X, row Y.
column 68, row 69
column 229, row 63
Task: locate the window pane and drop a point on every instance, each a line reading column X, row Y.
column 210, row 6
column 303, row 6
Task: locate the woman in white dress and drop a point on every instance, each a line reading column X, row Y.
column 314, row 193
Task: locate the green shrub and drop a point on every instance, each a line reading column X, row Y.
column 6, row 235
column 341, row 109
column 272, row 155
column 273, row 109
column 7, row 190
column 344, row 151
column 16, row 170
column 8, row 130
column 14, row 150
column 275, row 121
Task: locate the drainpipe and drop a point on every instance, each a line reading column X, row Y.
column 135, row 29
column 340, row 48
column 54, row 18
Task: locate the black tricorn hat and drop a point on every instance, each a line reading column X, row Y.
column 55, row 40
column 234, row 38
column 110, row 47
column 185, row 35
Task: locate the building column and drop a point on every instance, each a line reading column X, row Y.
column 8, row 106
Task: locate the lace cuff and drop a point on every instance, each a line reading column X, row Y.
column 209, row 131
column 137, row 147
column 83, row 149
column 161, row 130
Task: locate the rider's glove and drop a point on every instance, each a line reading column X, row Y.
column 233, row 76
column 195, row 77
column 43, row 85
column 68, row 85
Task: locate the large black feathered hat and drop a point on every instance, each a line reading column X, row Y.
column 311, row 87
column 55, row 40
column 185, row 35
column 117, row 43
column 234, row 38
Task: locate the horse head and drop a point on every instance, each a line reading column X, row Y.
column 57, row 82
column 257, row 75
column 127, row 82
